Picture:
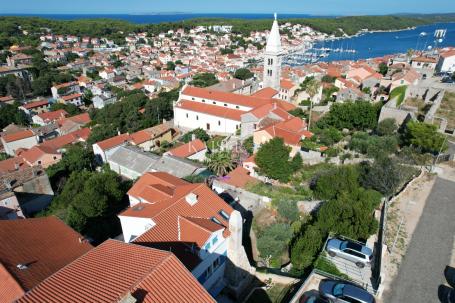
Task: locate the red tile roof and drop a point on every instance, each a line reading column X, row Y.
column 35, row 104
column 52, row 116
column 267, row 92
column 18, row 136
column 44, row 245
column 188, row 149
column 286, row 84
column 72, row 96
column 214, row 110
column 114, row 141
column 114, row 270
column 10, row 165
column 248, row 101
column 291, row 131
column 164, row 199
column 71, row 138
column 239, row 177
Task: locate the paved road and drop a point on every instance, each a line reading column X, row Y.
column 422, row 270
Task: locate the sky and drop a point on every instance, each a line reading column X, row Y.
column 314, row 7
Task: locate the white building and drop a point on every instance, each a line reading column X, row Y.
column 214, row 111
column 446, row 63
column 188, row 219
column 22, row 139
column 272, row 58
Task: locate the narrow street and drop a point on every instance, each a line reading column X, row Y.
column 430, row 249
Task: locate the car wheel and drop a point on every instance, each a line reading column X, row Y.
column 332, row 254
column 360, row 265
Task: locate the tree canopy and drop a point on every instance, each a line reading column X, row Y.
column 357, row 115
column 425, row 136
column 243, row 74
column 204, row 80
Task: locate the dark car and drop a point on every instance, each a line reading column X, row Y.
column 313, row 298
column 340, row 291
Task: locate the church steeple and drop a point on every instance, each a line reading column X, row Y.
column 272, row 58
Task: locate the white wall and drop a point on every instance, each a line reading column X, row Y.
column 448, row 65
column 215, row 252
column 134, row 226
column 11, row 147
column 199, row 120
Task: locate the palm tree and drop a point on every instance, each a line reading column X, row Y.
column 220, row 162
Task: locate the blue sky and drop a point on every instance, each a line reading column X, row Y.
column 319, row 7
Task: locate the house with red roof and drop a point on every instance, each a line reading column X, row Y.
column 64, row 89
column 446, row 62
column 121, row 272
column 193, row 150
column 32, row 251
column 292, row 131
column 188, row 219
column 49, row 117
column 35, row 107
column 75, row 99
column 21, row 139
column 100, row 148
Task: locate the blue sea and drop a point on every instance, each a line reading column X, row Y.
column 379, row 44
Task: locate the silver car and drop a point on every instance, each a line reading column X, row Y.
column 361, row 255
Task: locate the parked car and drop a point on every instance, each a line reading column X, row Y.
column 342, row 292
column 313, row 298
column 447, row 80
column 361, row 255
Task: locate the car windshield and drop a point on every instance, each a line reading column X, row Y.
column 338, row 289
column 354, row 246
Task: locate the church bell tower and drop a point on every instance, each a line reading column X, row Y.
column 272, row 58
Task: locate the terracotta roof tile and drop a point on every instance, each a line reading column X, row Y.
column 114, row 270
column 35, row 104
column 214, row 110
column 52, row 116
column 44, row 245
column 165, row 210
column 188, row 149
column 18, row 136
column 114, row 141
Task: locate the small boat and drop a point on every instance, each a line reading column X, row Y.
column 422, row 34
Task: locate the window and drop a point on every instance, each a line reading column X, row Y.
column 215, row 239
column 214, row 102
column 207, row 246
column 55, row 158
column 215, row 220
column 216, row 263
column 203, row 101
column 197, row 117
column 192, row 99
column 237, row 107
column 225, row 104
column 224, row 215
column 187, row 115
column 219, row 122
column 39, row 162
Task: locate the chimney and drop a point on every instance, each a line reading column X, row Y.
column 191, row 198
column 193, row 137
column 16, row 166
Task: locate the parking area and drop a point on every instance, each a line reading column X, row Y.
column 361, row 276
column 310, row 286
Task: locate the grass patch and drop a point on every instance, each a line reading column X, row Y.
column 447, row 109
column 398, row 92
column 280, row 192
column 325, row 265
